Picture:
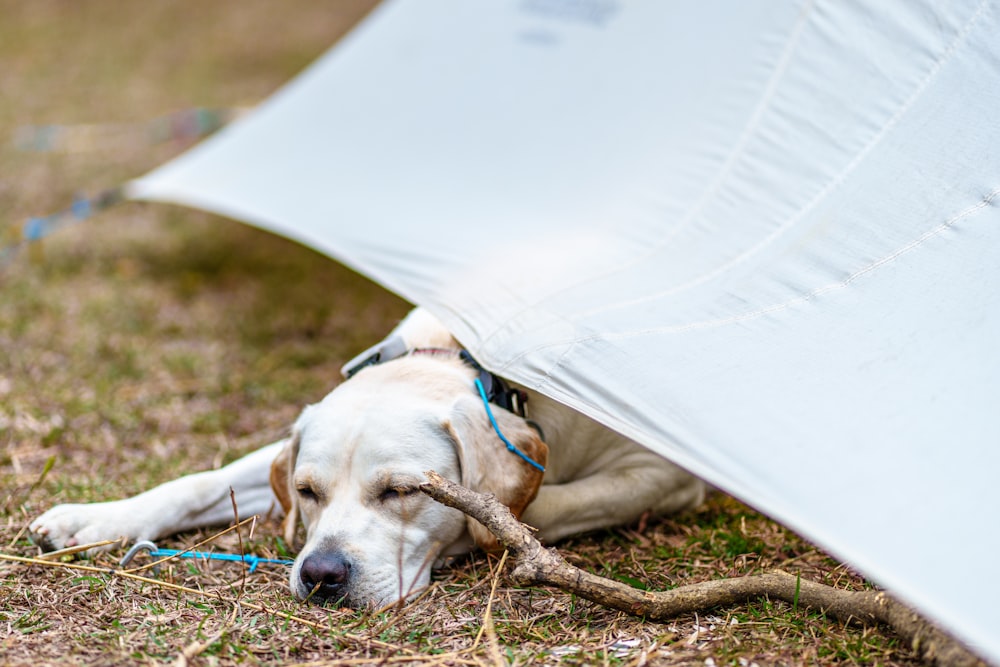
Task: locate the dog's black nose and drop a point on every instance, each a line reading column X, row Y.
column 330, row 572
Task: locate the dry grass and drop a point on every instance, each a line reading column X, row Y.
column 153, row 341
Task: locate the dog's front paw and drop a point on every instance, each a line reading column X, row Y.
column 71, row 525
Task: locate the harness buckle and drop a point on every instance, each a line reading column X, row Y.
column 497, row 391
column 390, row 348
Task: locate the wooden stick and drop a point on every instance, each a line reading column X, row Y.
column 536, row 565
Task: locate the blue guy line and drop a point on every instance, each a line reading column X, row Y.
column 37, row 228
column 252, row 560
column 184, row 125
column 81, row 208
column 510, row 445
column 34, row 229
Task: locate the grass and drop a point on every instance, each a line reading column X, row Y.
column 152, row 340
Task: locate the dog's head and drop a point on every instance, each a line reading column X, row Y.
column 352, row 469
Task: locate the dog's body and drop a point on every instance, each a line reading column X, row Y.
column 352, row 467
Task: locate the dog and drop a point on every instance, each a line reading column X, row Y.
column 351, row 469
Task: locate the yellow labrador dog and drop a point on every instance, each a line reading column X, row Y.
column 352, row 466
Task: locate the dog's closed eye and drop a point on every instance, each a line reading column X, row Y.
column 397, row 491
column 307, row 492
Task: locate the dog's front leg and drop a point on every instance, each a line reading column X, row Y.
column 194, row 501
column 613, row 496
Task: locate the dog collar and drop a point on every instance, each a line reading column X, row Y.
column 491, row 388
column 497, row 391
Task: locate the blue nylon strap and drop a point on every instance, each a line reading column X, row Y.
column 250, row 559
column 510, row 445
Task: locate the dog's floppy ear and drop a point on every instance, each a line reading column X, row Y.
column 282, row 471
column 488, row 466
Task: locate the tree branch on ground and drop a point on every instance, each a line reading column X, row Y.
column 534, row 565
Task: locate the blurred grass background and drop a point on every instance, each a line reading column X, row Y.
column 152, row 328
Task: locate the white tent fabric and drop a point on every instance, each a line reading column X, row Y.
column 760, row 237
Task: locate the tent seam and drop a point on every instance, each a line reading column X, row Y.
column 738, row 149
column 990, row 200
column 824, row 192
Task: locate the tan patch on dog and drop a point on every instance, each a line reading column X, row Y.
column 488, row 466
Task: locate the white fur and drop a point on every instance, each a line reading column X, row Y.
column 365, row 447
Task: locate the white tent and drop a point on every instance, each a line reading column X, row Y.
column 760, row 237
